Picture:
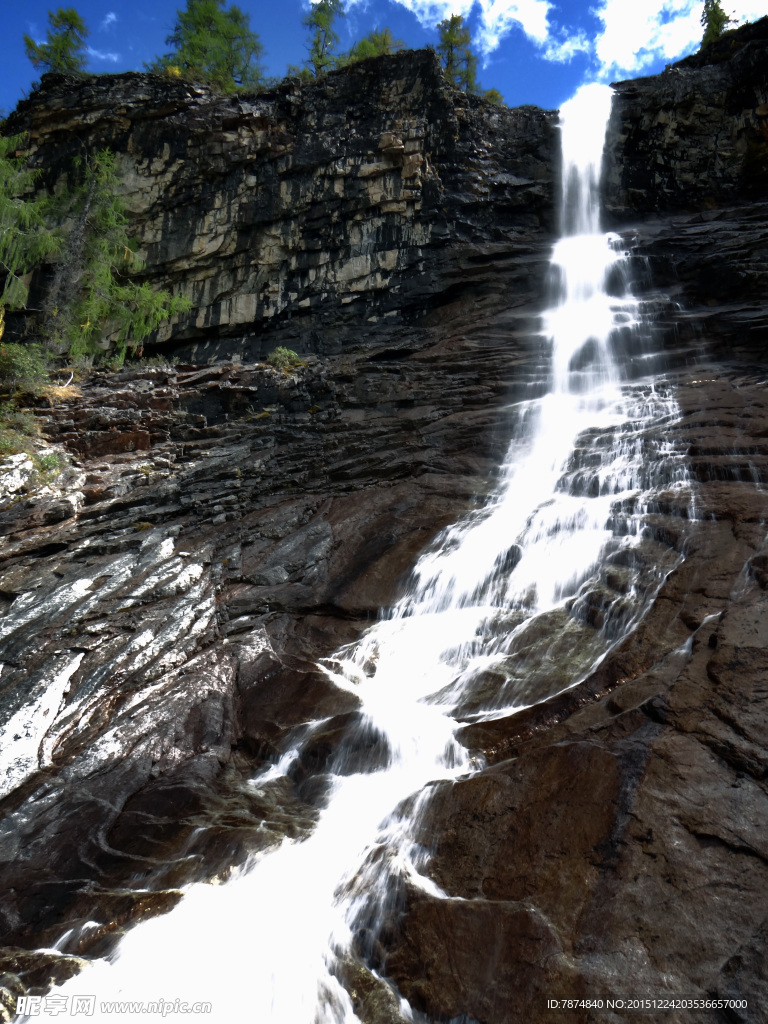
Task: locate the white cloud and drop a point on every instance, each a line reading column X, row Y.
column 497, row 17
column 429, row 12
column 113, row 58
column 637, row 33
column 565, row 49
column 633, row 34
column 110, row 19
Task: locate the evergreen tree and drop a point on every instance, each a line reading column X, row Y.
column 714, row 19
column 323, row 38
column 92, row 303
column 455, row 49
column 374, row 44
column 493, row 96
column 214, row 44
column 25, row 240
column 64, row 50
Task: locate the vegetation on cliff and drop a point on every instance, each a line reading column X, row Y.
column 92, row 305
column 456, row 54
column 375, row 44
column 25, row 240
column 214, row 44
column 64, row 49
column 459, row 60
column 323, row 38
column 714, row 19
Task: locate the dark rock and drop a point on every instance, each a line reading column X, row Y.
column 685, row 178
column 612, row 849
column 215, row 532
column 310, row 227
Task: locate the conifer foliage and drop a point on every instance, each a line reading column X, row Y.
column 92, row 303
column 64, row 50
column 375, row 44
column 323, row 38
column 714, row 19
column 213, row 43
column 456, row 56
column 25, row 240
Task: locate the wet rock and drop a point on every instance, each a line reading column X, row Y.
column 502, row 949
column 347, row 744
column 619, row 819
column 685, row 178
column 159, row 645
column 15, row 472
column 23, row 972
column 165, row 602
column 373, row 1000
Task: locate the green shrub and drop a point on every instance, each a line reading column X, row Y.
column 22, row 368
column 25, row 238
column 93, row 305
column 281, row 358
column 10, row 443
column 49, row 462
column 23, row 421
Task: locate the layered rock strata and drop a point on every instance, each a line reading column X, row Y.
column 614, row 848
column 211, row 532
column 312, row 213
column 686, row 179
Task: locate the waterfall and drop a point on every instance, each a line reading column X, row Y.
column 509, row 606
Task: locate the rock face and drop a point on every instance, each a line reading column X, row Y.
column 211, row 532
column 695, row 136
column 613, row 849
column 686, row 178
column 312, row 213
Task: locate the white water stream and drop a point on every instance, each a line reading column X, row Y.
column 505, row 595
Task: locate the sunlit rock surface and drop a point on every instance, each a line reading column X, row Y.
column 686, row 176
column 311, row 214
column 212, row 531
column 614, row 848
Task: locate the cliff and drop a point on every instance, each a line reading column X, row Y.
column 213, row 530
column 309, row 215
column 686, row 177
column 248, row 521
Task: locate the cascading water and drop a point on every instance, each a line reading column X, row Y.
column 515, row 602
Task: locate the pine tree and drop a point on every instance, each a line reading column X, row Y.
column 455, row 49
column 323, row 38
column 714, row 19
column 93, row 304
column 25, row 241
column 214, row 44
column 64, row 50
column 375, row 44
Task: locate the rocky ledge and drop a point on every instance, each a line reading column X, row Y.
column 686, row 182
column 211, row 531
column 209, row 534
column 311, row 214
column 614, row 848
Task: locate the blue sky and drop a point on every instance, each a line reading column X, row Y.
column 532, row 51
